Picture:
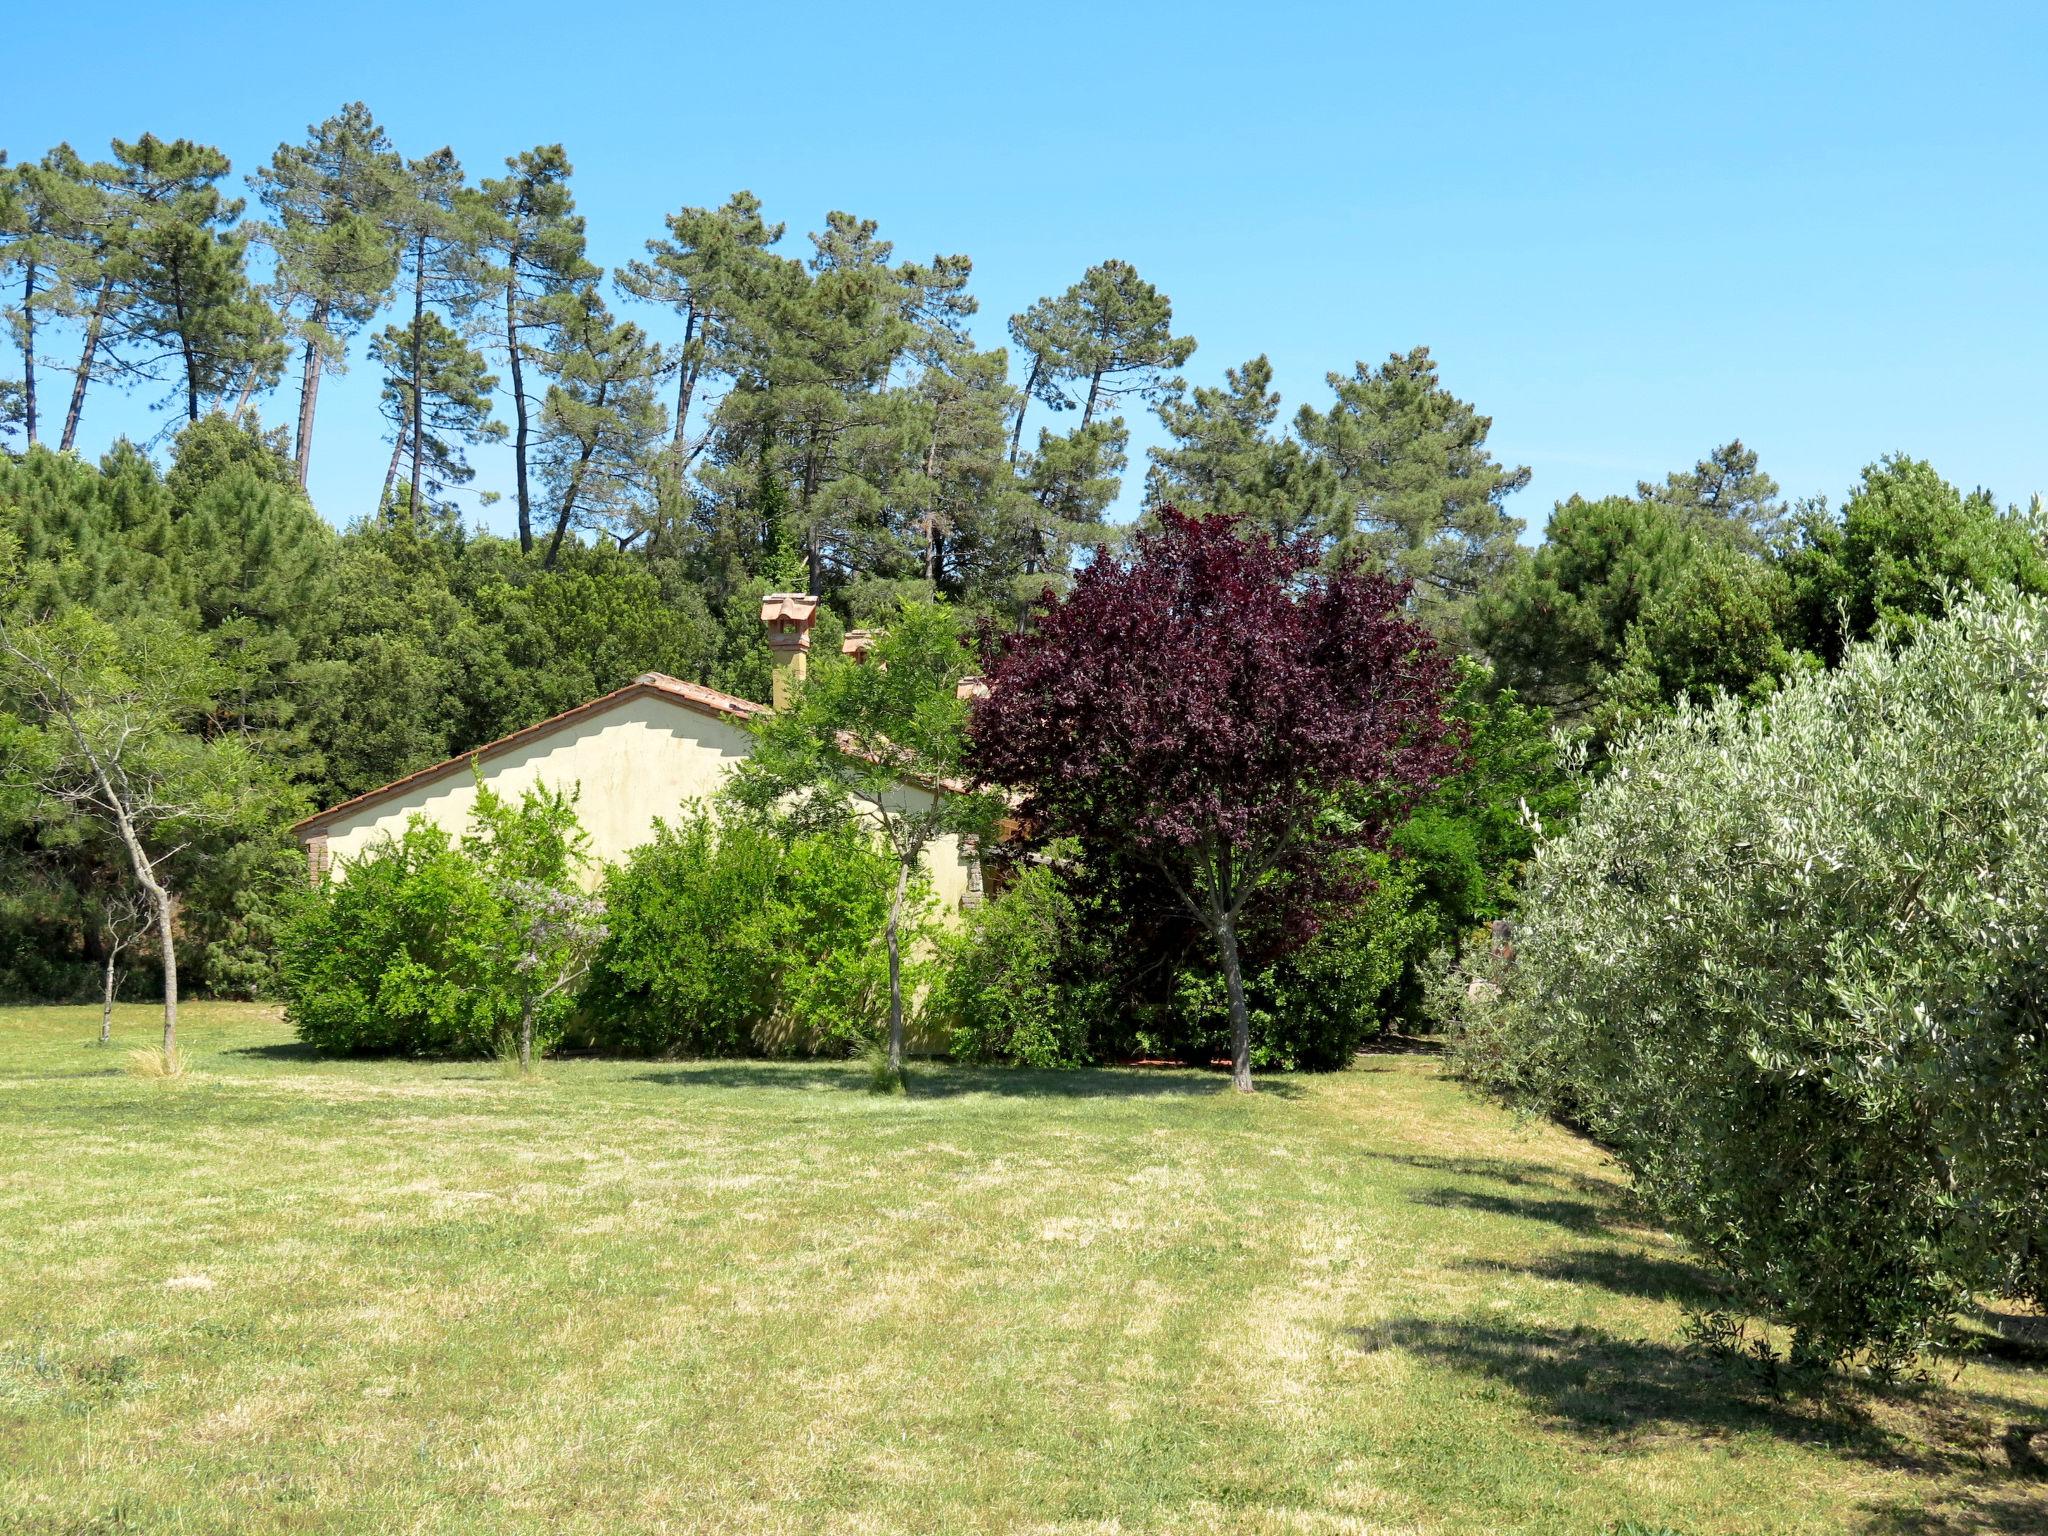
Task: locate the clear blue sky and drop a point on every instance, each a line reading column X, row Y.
column 1628, row 232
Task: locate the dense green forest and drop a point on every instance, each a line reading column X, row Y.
column 744, row 411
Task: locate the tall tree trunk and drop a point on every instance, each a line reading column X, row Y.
column 519, row 432
column 568, row 507
column 28, row 348
column 686, row 386
column 309, row 392
column 86, row 357
column 893, row 934
column 1094, row 393
column 391, row 471
column 1023, row 405
column 1240, row 1019
column 419, row 321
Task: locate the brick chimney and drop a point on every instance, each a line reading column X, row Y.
column 788, row 617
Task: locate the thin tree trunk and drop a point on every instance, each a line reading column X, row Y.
column 85, row 362
column 526, row 1037
column 162, row 898
column 184, row 322
column 391, row 471
column 519, row 432
column 568, row 508
column 1240, row 1020
column 309, row 392
column 242, row 399
column 1094, row 393
column 28, row 347
column 107, row 999
column 419, row 321
column 893, row 935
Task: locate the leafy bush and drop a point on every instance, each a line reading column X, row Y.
column 1792, row 964
column 425, row 947
column 725, row 939
column 1024, row 982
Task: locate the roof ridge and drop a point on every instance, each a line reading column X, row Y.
column 698, row 695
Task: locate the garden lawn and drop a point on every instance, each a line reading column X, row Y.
column 287, row 1294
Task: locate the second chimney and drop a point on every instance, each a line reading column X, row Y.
column 788, row 617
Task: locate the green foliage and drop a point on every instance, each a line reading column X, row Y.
column 1907, row 543
column 1416, row 488
column 726, row 939
column 1631, row 605
column 429, row 947
column 1025, row 981
column 1789, row 964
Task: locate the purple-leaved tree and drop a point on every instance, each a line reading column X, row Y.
column 1220, row 708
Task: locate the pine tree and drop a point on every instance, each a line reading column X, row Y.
column 434, row 224
column 1126, row 344
column 194, row 310
column 534, row 239
column 601, row 426
column 437, row 397
column 337, row 259
column 53, row 234
column 1072, row 481
column 1725, row 490
column 1226, row 462
column 1046, row 335
column 713, row 263
column 1417, row 488
column 95, row 230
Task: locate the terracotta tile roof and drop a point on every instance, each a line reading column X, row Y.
column 709, row 701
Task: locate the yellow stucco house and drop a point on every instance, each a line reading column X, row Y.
column 634, row 756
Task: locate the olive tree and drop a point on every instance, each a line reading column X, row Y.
column 1791, row 962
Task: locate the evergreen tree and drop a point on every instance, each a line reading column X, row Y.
column 534, row 238
column 1109, row 335
column 1225, row 461
column 713, row 263
column 434, row 225
column 1727, row 490
column 194, row 310
column 1126, row 344
column 1416, row 486
column 1072, row 480
column 1046, row 336
column 601, row 427
column 98, row 222
column 437, row 397
column 337, row 259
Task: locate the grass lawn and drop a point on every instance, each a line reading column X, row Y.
column 286, row 1294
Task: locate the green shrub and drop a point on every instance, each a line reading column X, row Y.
column 1022, row 984
column 726, row 939
column 1791, row 962
column 424, row 947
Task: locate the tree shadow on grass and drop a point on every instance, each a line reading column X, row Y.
column 293, row 1050
column 1623, row 1391
column 1621, row 1271
column 960, row 1082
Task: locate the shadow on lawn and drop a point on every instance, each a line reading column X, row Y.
column 1617, row 1391
column 958, row 1082
column 291, row 1050
column 1622, row 1272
